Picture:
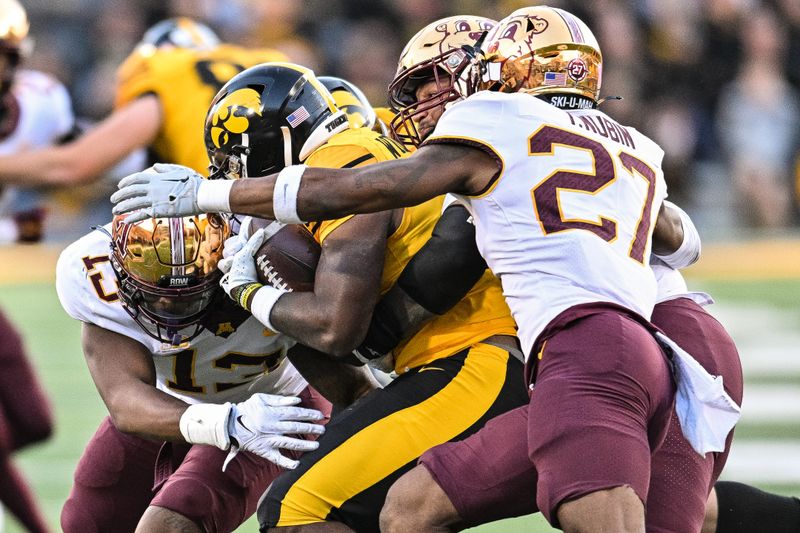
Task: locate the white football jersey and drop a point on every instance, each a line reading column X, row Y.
column 44, row 116
column 569, row 217
column 228, row 364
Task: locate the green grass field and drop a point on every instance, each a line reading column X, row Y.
column 53, row 341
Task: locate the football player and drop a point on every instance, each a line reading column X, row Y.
column 422, row 71
column 164, row 89
column 35, row 111
column 563, row 303
column 186, row 376
column 468, row 349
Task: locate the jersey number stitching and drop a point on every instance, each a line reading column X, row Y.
column 546, row 200
column 183, row 367
column 97, row 278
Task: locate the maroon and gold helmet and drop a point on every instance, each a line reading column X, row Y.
column 542, row 50
column 437, row 53
column 14, row 41
column 167, row 271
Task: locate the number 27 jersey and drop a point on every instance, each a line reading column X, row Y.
column 568, row 218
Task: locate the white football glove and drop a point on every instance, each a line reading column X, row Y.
column 262, row 425
column 162, row 190
column 234, row 244
column 241, row 270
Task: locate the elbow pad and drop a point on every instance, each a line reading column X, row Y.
column 689, row 251
column 448, row 266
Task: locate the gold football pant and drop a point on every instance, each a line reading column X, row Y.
column 372, row 443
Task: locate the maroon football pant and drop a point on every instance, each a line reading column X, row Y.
column 489, row 476
column 682, row 479
column 25, row 418
column 25, row 415
column 120, row 475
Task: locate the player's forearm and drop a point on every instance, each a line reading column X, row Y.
column 675, row 237
column 34, row 168
column 60, row 165
column 321, row 325
column 340, row 383
column 324, row 194
column 142, row 410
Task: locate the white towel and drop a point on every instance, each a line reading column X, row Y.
column 706, row 412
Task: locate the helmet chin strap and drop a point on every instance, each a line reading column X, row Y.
column 287, row 146
column 244, row 154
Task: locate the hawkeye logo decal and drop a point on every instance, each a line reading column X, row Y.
column 232, row 116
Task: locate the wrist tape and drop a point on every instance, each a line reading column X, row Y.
column 206, row 423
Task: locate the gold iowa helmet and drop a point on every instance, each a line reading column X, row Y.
column 352, row 101
column 543, row 50
column 167, row 271
column 437, row 52
column 13, row 40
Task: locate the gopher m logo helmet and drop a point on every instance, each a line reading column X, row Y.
column 232, row 115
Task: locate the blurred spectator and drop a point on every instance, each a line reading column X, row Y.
column 759, row 116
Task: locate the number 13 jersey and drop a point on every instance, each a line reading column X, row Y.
column 232, row 358
column 568, row 217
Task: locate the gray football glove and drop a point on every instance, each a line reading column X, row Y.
column 162, row 190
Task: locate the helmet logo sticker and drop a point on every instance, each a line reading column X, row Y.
column 577, row 69
column 297, row 118
column 232, row 115
column 537, row 25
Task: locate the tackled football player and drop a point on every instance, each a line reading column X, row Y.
column 164, row 89
column 465, row 350
column 562, row 301
column 185, row 375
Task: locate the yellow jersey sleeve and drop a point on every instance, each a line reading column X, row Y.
column 185, row 82
column 350, row 149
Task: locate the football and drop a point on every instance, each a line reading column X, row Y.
column 287, row 259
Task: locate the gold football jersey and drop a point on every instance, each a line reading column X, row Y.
column 480, row 314
column 185, row 81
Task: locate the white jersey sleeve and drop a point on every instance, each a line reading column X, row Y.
column 228, row 361
column 568, row 218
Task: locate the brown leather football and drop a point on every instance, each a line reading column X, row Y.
column 288, row 259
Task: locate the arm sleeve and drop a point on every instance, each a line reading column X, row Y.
column 436, row 278
column 448, row 266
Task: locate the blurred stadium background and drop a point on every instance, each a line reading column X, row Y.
column 715, row 82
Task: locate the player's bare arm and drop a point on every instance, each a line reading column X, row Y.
column 324, row 194
column 334, row 317
column 123, row 372
column 675, row 239
column 431, row 171
column 340, row 383
column 87, row 157
column 668, row 231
